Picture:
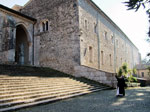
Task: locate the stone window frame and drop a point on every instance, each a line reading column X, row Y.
column 117, row 43
column 85, row 24
column 44, row 25
column 102, row 57
column 95, row 28
column 90, row 54
column 105, row 35
column 110, row 59
column 142, row 74
column 112, row 39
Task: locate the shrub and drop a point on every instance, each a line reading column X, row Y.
column 120, row 72
column 132, row 79
column 125, row 68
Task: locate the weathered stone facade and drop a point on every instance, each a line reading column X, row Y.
column 59, row 46
column 73, row 36
column 9, row 22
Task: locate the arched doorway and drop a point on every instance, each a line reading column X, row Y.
column 22, row 46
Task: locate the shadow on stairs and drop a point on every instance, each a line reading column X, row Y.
column 24, row 86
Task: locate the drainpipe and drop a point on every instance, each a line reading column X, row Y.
column 98, row 39
column 115, row 64
column 33, row 46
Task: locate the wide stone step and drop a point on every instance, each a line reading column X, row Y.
column 15, row 84
column 22, row 86
column 46, row 96
column 9, row 92
column 31, row 91
column 19, row 87
column 43, row 97
column 30, row 97
column 47, row 99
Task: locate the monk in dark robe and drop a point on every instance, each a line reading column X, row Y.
column 120, row 86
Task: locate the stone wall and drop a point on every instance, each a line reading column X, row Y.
column 78, row 35
column 97, row 75
column 103, row 46
column 58, row 47
column 8, row 24
column 111, row 47
column 144, row 72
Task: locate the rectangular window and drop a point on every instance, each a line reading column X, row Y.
column 110, row 60
column 86, row 24
column 112, row 39
column 105, row 35
column 43, row 25
column 46, row 25
column 95, row 28
column 90, row 54
column 142, row 74
column 102, row 57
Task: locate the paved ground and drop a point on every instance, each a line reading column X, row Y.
column 136, row 100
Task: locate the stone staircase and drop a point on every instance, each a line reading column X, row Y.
column 22, row 86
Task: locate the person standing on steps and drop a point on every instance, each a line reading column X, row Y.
column 120, row 86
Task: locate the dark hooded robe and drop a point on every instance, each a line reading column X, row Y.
column 121, row 85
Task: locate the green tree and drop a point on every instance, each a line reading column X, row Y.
column 123, row 70
column 134, row 71
column 128, row 73
column 120, row 72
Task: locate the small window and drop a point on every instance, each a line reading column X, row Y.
column 110, row 60
column 105, row 35
column 44, row 26
column 117, row 44
column 95, row 28
column 142, row 74
column 102, row 57
column 90, row 54
column 112, row 39
column 86, row 24
column 85, row 51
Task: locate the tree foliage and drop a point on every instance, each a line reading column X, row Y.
column 128, row 73
column 134, row 71
column 123, row 70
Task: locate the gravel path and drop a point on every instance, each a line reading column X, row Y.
column 136, row 100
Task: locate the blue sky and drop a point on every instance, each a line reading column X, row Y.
column 133, row 24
